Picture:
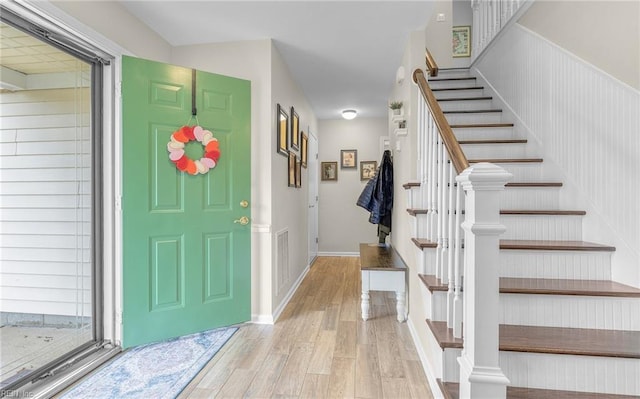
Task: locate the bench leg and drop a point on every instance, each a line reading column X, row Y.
column 400, row 306
column 365, row 305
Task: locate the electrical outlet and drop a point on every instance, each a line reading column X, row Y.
column 440, row 17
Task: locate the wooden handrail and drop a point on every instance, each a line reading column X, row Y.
column 431, row 63
column 456, row 155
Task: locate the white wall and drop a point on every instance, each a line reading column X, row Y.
column 462, row 16
column 343, row 225
column 289, row 204
column 438, row 34
column 603, row 33
column 45, row 202
column 587, row 124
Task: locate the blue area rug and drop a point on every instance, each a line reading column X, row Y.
column 160, row 370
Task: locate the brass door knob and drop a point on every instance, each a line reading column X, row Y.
column 244, row 203
column 243, row 220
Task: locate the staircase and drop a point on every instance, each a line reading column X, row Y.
column 566, row 329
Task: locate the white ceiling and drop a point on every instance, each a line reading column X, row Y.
column 343, row 54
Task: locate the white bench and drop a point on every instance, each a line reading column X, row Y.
column 382, row 269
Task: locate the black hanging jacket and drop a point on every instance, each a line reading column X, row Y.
column 377, row 196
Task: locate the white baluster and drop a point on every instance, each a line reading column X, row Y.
column 438, row 207
column 457, row 249
column 450, row 244
column 443, row 242
column 433, row 165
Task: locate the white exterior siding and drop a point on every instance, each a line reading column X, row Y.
column 45, row 202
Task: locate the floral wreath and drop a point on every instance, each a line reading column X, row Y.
column 184, row 164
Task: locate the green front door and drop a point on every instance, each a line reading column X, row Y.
column 186, row 263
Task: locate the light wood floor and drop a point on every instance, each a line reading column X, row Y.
column 319, row 347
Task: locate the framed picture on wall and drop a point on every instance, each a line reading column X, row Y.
column 348, row 159
column 304, row 151
column 461, row 41
column 328, row 171
column 295, row 129
column 298, row 174
column 291, row 171
column 368, row 169
column 281, row 131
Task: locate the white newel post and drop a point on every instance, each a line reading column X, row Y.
column 480, row 373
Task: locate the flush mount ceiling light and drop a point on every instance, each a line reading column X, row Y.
column 349, row 114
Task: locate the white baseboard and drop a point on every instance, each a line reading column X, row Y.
column 433, row 384
column 261, row 319
column 352, row 254
column 287, row 298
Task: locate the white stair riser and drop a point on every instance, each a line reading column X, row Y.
column 458, row 93
column 435, row 84
column 533, row 198
column 435, row 304
column 464, row 105
column 478, row 133
column 453, row 73
column 572, row 373
column 524, row 171
column 610, row 313
column 479, row 151
column 542, row 227
column 574, row 265
column 451, row 369
column 480, row 117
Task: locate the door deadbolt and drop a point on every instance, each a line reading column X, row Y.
column 244, row 203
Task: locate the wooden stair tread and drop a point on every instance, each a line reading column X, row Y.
column 409, row 185
column 546, row 286
column 555, row 340
column 507, row 160
column 444, row 335
column 424, row 243
column 472, row 111
column 534, row 184
column 466, row 98
column 508, row 141
column 414, row 212
column 459, row 88
column 450, row 390
column 480, row 125
column 554, row 212
column 550, row 245
column 432, row 283
column 509, row 285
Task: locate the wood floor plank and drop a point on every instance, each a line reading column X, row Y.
column 389, row 355
column 264, row 383
column 368, row 381
column 236, row 384
column 323, row 353
column 315, row 386
column 346, row 340
column 342, row 380
column 418, row 385
column 395, row 388
column 292, row 375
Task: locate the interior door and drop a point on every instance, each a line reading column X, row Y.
column 312, row 163
column 186, row 262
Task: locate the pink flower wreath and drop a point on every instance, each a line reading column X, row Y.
column 184, row 164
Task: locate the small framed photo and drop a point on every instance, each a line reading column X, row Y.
column 348, row 159
column 328, row 171
column 461, row 41
column 291, row 181
column 304, row 151
column 295, row 129
column 368, row 169
column 298, row 174
column 281, row 129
